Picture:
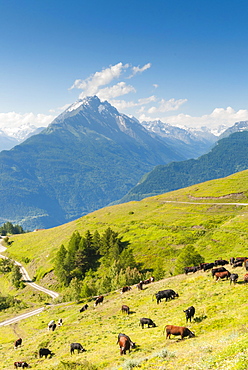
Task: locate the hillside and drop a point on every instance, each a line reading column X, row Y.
column 220, row 327
column 157, row 227
column 228, row 156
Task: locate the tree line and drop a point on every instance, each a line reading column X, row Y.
column 9, row 229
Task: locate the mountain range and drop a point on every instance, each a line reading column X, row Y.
column 91, row 156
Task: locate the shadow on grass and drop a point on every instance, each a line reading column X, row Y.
column 200, row 318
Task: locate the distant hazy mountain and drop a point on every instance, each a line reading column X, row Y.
column 86, row 158
column 237, row 127
column 228, row 156
column 10, row 137
column 191, row 143
column 6, row 142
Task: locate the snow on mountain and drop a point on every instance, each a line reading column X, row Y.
column 22, row 132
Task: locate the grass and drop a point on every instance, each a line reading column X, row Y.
column 220, row 326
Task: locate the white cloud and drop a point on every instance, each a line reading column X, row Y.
column 167, row 105
column 114, row 91
column 13, row 119
column 139, row 69
column 219, row 116
column 123, row 104
column 90, row 85
column 155, row 86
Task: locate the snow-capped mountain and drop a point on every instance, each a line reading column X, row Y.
column 237, row 127
column 22, row 132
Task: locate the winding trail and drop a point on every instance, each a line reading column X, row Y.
column 27, row 280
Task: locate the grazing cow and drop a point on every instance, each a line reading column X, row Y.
column 167, row 294
column 140, row 285
column 44, row 352
column 148, row 281
column 84, row 308
column 222, row 275
column 98, row 300
column 189, row 313
column 233, row 278
column 178, row 330
column 232, row 259
column 125, row 343
column 18, row 343
column 78, row 347
column 221, row 262
column 149, row 322
column 60, row 322
column 218, row 269
column 191, row 269
column 237, row 264
column 246, row 278
column 50, row 324
column 125, row 289
column 52, row 327
column 208, row 266
column 125, row 309
column 237, row 259
column 21, row 364
column 246, row 264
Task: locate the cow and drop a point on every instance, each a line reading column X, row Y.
column 148, row 281
column 21, row 364
column 167, row 294
column 218, row 269
column 246, row 278
column 191, row 269
column 52, row 327
column 189, row 313
column 233, row 278
column 98, row 300
column 78, row 347
column 140, row 285
column 18, row 343
column 237, row 259
column 208, row 266
column 222, row 275
column 149, row 322
column 178, row 330
column 231, row 261
column 125, row 343
column 50, row 324
column 221, row 262
column 60, row 322
column 84, row 308
column 125, row 309
column 125, row 289
column 237, row 264
column 44, row 352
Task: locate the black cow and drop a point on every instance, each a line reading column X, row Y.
column 60, row 322
column 178, row 330
column 246, row 264
column 125, row 309
column 140, row 285
column 84, row 308
column 167, row 294
column 191, row 269
column 125, row 289
column 232, row 259
column 18, row 343
column 78, row 347
column 237, row 259
column 125, row 343
column 98, row 300
column 149, row 322
column 45, row 352
column 21, row 364
column 208, row 266
column 189, row 313
column 237, row 264
column 233, row 278
column 218, row 269
column 221, row 262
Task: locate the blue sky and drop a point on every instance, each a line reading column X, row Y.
column 184, row 62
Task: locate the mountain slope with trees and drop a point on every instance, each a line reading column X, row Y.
column 228, row 156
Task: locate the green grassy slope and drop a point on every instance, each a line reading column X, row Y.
column 221, row 329
column 157, row 227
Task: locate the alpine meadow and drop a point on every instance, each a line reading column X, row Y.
column 207, row 219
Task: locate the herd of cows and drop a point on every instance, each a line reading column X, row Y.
column 219, row 272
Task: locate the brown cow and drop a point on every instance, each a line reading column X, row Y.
column 18, row 343
column 125, row 309
column 178, row 330
column 222, row 275
column 125, row 343
column 246, row 278
column 125, row 289
column 98, row 300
